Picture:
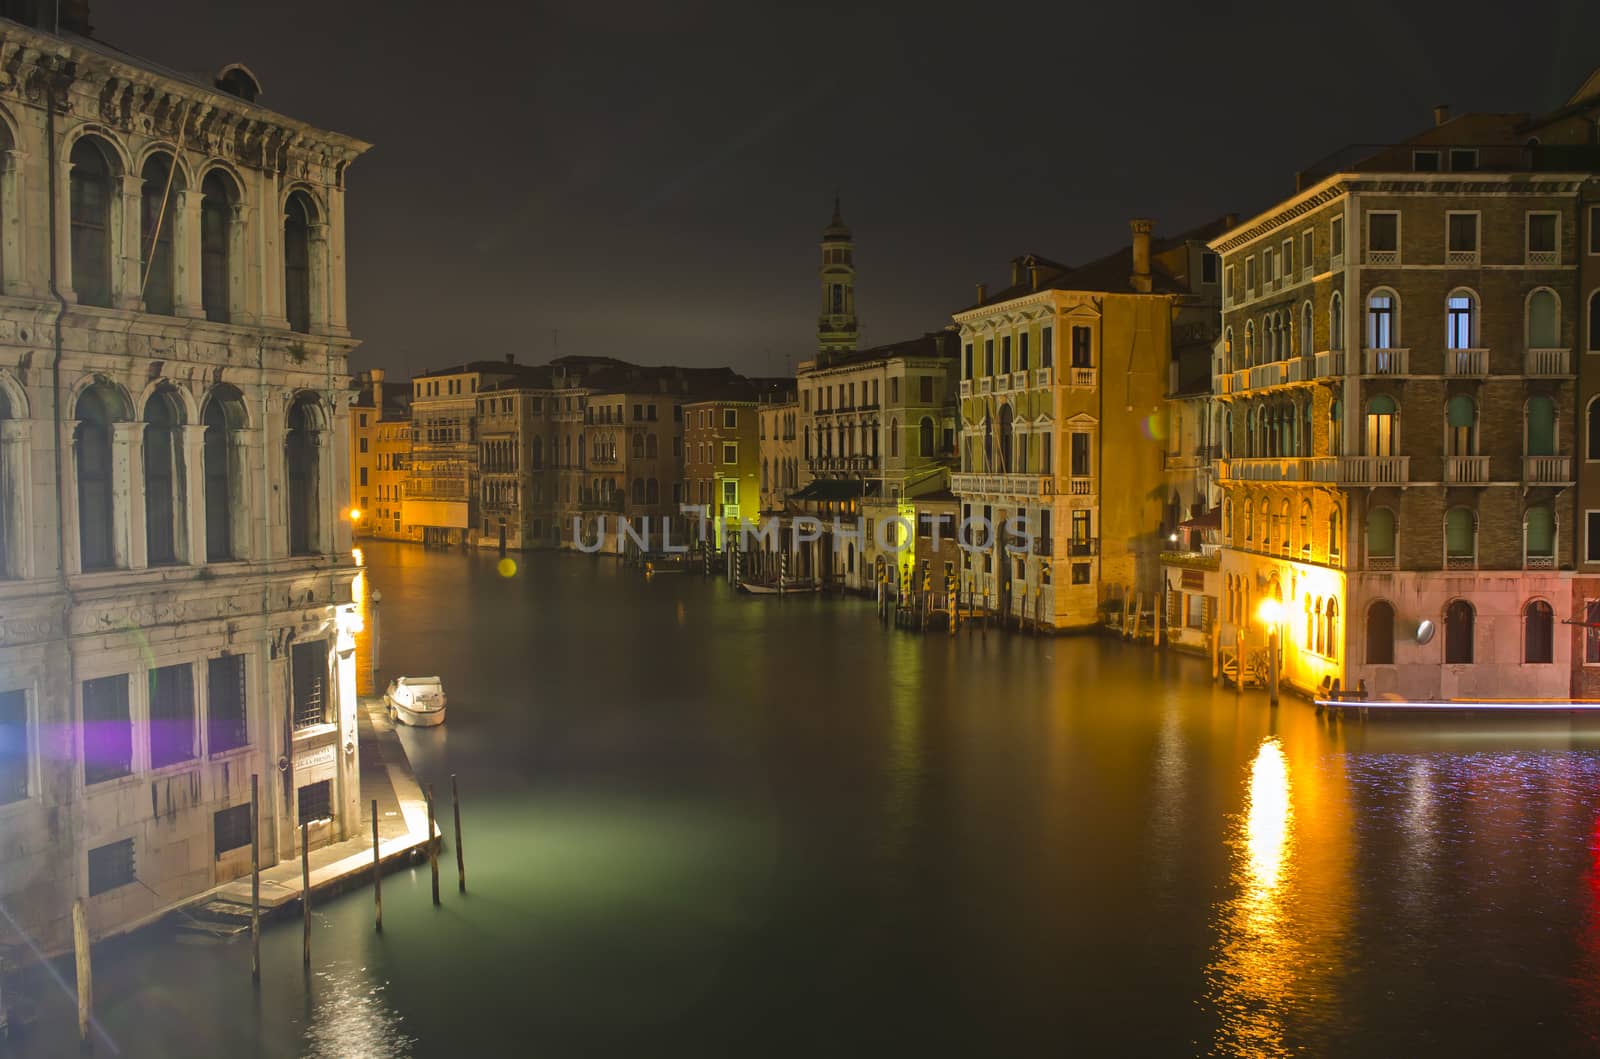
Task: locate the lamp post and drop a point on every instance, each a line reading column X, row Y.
column 1271, row 612
column 377, row 597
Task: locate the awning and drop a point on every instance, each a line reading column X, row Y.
column 1210, row 520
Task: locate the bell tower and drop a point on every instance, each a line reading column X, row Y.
column 837, row 330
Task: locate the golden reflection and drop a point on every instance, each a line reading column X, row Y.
column 1267, row 824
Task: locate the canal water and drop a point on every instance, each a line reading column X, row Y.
column 704, row 824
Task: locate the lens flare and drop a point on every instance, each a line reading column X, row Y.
column 507, row 567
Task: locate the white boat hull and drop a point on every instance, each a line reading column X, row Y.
column 756, row 589
column 416, row 718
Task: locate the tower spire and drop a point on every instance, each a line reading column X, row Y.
column 837, row 329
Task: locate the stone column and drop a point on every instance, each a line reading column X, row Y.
column 319, row 253
column 13, row 238
column 16, row 488
column 127, row 277
column 192, row 528
column 242, row 307
column 245, row 513
column 63, row 238
column 269, row 254
column 127, row 496
column 184, row 216
column 338, row 317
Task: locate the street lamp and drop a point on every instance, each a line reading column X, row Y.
column 377, row 597
column 1271, row 613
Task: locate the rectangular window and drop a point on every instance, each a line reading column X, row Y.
column 1047, row 347
column 1542, row 246
column 894, row 390
column 13, row 746
column 316, row 802
column 1462, row 237
column 988, row 362
column 227, row 723
column 363, row 470
column 1308, row 247
column 1591, row 552
column 172, row 727
column 1080, row 573
column 1005, row 354
column 1425, row 161
column 1250, row 275
column 1383, row 233
column 1022, row 355
column 1269, row 266
column 1210, row 265
column 805, row 401
column 1288, row 259
column 1594, row 229
column 1080, row 454
column 363, row 445
column 1045, row 454
column 730, row 453
column 1082, row 347
column 925, row 385
column 1230, row 286
column 1463, row 159
column 230, row 829
column 650, row 412
column 730, row 418
column 309, row 679
column 730, row 492
column 1336, row 237
column 107, row 729
column 110, row 866
column 966, row 361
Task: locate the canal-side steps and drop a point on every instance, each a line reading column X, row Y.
column 402, row 836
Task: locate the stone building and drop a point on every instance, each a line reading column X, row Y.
column 722, row 462
column 442, row 495
column 513, row 425
column 1399, row 385
column 778, row 436
column 175, row 579
column 380, row 424
column 1065, row 376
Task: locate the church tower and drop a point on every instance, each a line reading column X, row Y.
column 837, row 331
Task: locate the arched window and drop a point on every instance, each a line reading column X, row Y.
column 1307, row 346
column 805, row 433
column 1007, row 429
column 163, row 476
column 1539, row 537
column 1382, row 428
column 1594, row 322
column 1312, row 617
column 1461, row 320
column 1461, row 426
column 297, row 219
column 1336, row 428
column 1380, row 634
column 1336, row 322
column 1283, row 525
column 638, row 490
column 1538, row 633
column 1249, row 519
column 90, row 189
column 1330, row 635
column 97, row 409
column 925, row 436
column 1460, row 538
column 1227, row 350
column 1305, row 526
column 1542, row 426
column 1306, row 440
column 652, row 491
column 1544, row 320
column 303, row 448
column 1380, row 538
column 222, row 416
column 638, row 446
column 1250, row 343
column 1592, row 449
column 1336, row 533
column 894, row 438
column 1227, row 520
column 1382, row 321
column 1458, row 632
column 217, row 200
column 158, row 186
column 764, row 482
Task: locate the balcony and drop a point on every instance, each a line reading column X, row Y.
column 986, row 385
column 1264, row 375
column 1081, row 485
column 966, row 387
column 1374, row 470
column 1466, row 470
column 1547, row 470
column 1466, row 363
column 1538, row 562
column 1296, row 370
column 1241, row 380
column 1387, row 361
column 1546, row 363
column 1383, row 257
column 1222, row 384
column 1043, row 377
column 1544, row 258
column 1078, row 546
column 1004, row 484
column 1461, row 258
column 1019, row 380
column 1082, row 378
column 1275, row 469
column 1328, row 364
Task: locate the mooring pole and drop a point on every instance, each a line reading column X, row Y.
column 377, row 870
column 433, row 847
column 80, row 946
column 305, row 891
column 461, row 857
column 255, row 878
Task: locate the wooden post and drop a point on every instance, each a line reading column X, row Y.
column 305, row 891
column 255, row 878
column 461, row 857
column 433, row 847
column 1216, row 647
column 377, row 869
column 80, row 946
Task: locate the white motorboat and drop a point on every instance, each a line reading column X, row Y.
column 417, row 701
column 756, row 588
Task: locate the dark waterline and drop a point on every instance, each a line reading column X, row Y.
column 704, row 824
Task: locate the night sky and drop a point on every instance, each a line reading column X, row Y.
column 650, row 180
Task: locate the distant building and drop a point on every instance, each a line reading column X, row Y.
column 1399, row 375
column 1065, row 377
column 441, row 496
column 779, row 441
column 380, row 430
column 175, row 573
column 513, row 427
column 722, row 462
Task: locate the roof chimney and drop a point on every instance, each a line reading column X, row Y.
column 1441, row 113
column 1140, row 280
column 1016, row 271
column 983, row 292
column 511, row 358
column 1033, row 276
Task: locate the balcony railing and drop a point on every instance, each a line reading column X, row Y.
column 1004, row 484
column 1374, row 470
column 1222, row 383
column 1083, row 378
column 1383, row 257
column 1083, row 546
column 1043, row 377
column 986, row 385
column 966, row 387
column 1019, row 380
column 1466, row 470
column 1461, row 258
column 1274, row 469
column 1241, row 380
column 1081, row 485
column 1547, row 362
column 1466, row 362
column 1539, row 562
column 1544, row 257
column 1263, row 375
column 1380, row 563
column 1552, row 470
column 1328, row 363
column 1296, row 370
column 1387, row 361
column 1460, row 562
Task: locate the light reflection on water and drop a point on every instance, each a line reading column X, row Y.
column 349, row 1016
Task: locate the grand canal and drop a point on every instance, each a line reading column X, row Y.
column 703, row 824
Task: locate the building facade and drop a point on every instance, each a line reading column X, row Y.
column 175, row 576
column 442, row 492
column 379, row 419
column 1065, row 377
column 722, row 464
column 778, row 439
column 1399, row 381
